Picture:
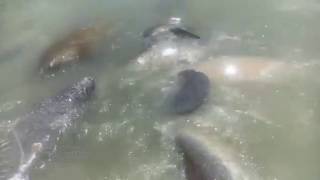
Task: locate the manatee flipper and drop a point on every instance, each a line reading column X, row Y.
column 179, row 32
column 12, row 156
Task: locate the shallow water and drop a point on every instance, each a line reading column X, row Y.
column 272, row 127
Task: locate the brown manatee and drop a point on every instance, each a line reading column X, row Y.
column 74, row 47
column 245, row 69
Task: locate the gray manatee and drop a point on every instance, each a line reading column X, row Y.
column 200, row 163
column 37, row 133
column 193, row 90
column 169, row 46
column 209, row 156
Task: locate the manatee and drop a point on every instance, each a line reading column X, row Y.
column 210, row 156
column 183, row 33
column 246, row 69
column 172, row 30
column 200, row 162
column 169, row 46
column 36, row 134
column 193, row 90
column 76, row 46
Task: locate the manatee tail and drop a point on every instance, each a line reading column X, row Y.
column 11, row 157
column 183, row 33
column 4, row 163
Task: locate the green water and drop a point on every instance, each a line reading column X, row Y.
column 274, row 127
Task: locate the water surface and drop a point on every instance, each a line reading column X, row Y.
column 272, row 127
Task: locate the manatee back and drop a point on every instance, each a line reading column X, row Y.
column 43, row 126
column 200, row 163
column 167, row 32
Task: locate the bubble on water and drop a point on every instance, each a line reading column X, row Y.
column 10, row 105
column 124, row 108
column 130, row 130
column 154, row 170
column 114, row 177
column 100, row 137
column 85, row 131
column 105, row 107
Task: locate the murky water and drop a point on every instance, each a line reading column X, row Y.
column 273, row 127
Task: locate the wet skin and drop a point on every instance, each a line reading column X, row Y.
column 38, row 132
column 200, row 163
column 192, row 92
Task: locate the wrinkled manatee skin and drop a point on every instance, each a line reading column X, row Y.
column 36, row 134
column 54, row 115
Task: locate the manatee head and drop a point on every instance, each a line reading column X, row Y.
column 61, row 55
column 80, row 91
column 172, row 30
column 193, row 90
column 162, row 28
